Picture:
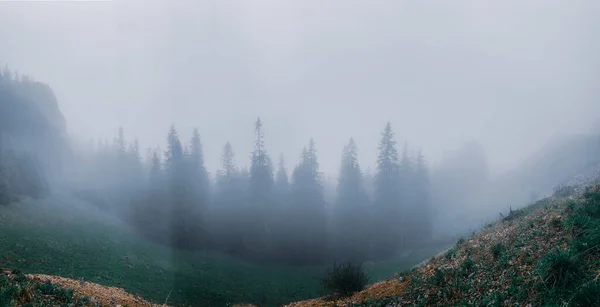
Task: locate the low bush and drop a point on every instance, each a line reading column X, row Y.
column 559, row 269
column 438, row 278
column 497, row 250
column 556, row 223
column 345, row 279
column 467, row 266
column 586, row 295
column 451, row 253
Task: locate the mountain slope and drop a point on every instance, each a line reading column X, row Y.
column 547, row 254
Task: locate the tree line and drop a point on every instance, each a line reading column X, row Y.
column 265, row 212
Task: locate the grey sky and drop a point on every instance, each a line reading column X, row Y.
column 511, row 74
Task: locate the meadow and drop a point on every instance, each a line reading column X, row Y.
column 67, row 237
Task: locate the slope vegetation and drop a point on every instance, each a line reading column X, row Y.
column 547, row 254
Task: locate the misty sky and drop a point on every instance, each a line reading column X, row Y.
column 511, row 74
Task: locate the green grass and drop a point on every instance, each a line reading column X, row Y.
column 18, row 290
column 547, row 255
column 76, row 241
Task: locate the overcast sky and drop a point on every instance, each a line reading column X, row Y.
column 511, row 74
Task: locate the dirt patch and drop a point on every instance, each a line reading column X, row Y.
column 106, row 296
column 382, row 289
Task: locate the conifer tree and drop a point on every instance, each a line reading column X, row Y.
column 261, row 191
column 199, row 172
column 282, row 184
column 151, row 215
column 228, row 169
column 4, row 188
column 198, row 188
column 309, row 225
column 281, row 211
column 181, row 228
column 351, row 214
column 120, row 144
column 386, row 198
column 424, row 228
column 228, row 222
column 407, row 211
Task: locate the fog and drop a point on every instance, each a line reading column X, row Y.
column 509, row 74
column 402, row 125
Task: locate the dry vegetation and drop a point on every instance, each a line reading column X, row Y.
column 521, row 260
column 104, row 296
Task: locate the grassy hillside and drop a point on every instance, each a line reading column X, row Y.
column 18, row 290
column 65, row 237
column 547, row 254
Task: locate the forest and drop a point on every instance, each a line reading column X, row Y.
column 265, row 209
column 263, row 212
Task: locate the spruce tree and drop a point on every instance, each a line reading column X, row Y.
column 351, row 211
column 282, row 184
column 4, row 188
column 228, row 169
column 181, row 229
column 229, row 210
column 386, row 198
column 281, row 212
column 120, row 144
column 309, row 224
column 422, row 199
column 199, row 172
column 199, row 183
column 407, row 211
column 261, row 192
column 151, row 216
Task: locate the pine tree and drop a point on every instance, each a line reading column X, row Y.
column 351, row 211
column 229, row 209
column 406, row 219
column 228, row 169
column 174, row 154
column 199, row 188
column 176, row 173
column 281, row 212
column 282, row 184
column 422, row 199
column 151, row 215
column 261, row 191
column 120, row 144
column 308, row 208
column 386, row 198
column 4, row 187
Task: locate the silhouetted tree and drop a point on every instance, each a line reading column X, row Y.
column 351, row 211
column 176, row 173
column 151, row 215
column 282, row 184
column 198, row 184
column 229, row 206
column 4, row 188
column 406, row 219
column 281, row 210
column 386, row 198
column 422, row 199
column 120, row 144
column 261, row 192
column 308, row 207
